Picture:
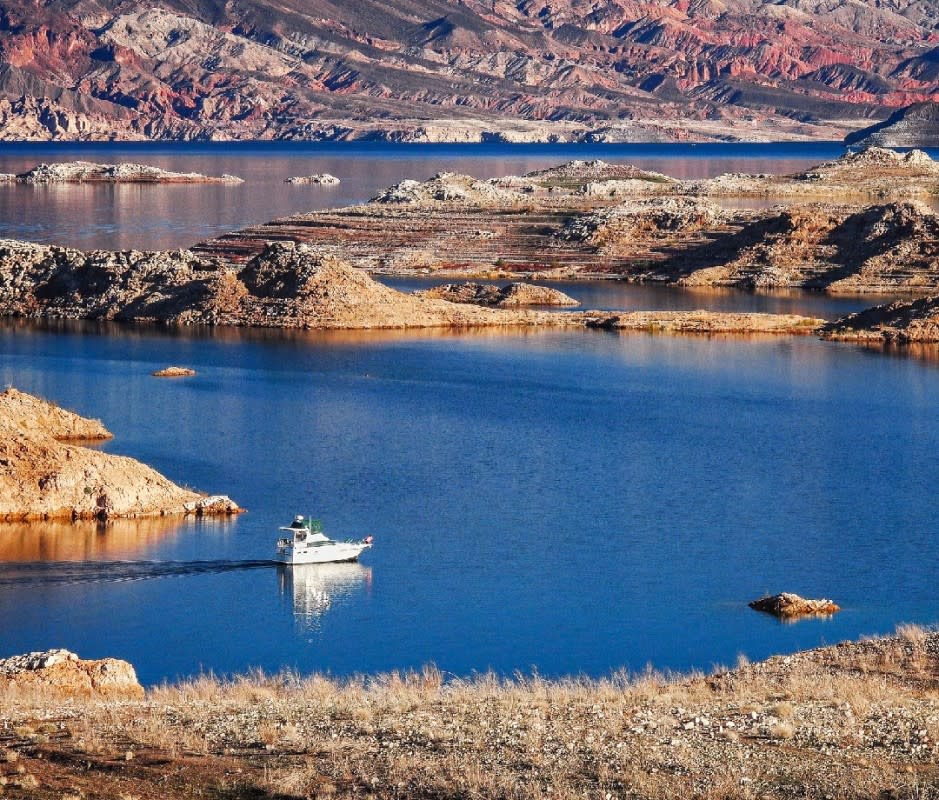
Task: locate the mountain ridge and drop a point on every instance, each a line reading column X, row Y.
column 462, row 70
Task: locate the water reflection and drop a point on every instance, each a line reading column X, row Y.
column 93, row 541
column 314, row 588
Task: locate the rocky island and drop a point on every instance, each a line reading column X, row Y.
column 46, row 473
column 787, row 605
column 857, row 720
column 89, row 172
column 510, row 295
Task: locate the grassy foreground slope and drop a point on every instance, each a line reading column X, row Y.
column 859, row 720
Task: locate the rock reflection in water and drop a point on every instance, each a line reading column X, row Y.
column 89, row 541
column 314, row 588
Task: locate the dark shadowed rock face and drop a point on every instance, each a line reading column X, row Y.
column 913, row 126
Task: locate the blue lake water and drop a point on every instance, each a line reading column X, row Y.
column 571, row 502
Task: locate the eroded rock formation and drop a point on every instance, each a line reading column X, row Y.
column 902, row 321
column 916, row 125
column 590, row 219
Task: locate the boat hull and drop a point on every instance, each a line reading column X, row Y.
column 331, row 553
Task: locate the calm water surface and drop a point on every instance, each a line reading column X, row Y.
column 571, row 502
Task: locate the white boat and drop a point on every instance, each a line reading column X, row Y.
column 305, row 543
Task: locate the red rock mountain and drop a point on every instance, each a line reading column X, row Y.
column 461, row 69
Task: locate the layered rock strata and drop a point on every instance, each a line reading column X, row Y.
column 592, row 219
column 916, row 125
column 46, row 474
column 629, row 70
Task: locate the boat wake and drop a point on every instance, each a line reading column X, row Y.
column 33, row 573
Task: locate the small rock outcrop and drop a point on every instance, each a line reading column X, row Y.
column 43, row 476
column 322, row 179
column 705, row 322
column 577, row 172
column 790, row 606
column 61, row 672
column 509, row 296
column 89, row 172
column 174, row 372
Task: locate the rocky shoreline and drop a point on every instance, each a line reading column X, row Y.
column 290, row 286
column 46, row 473
column 857, row 720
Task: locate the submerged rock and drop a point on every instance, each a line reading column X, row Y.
column 790, row 605
column 63, row 672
